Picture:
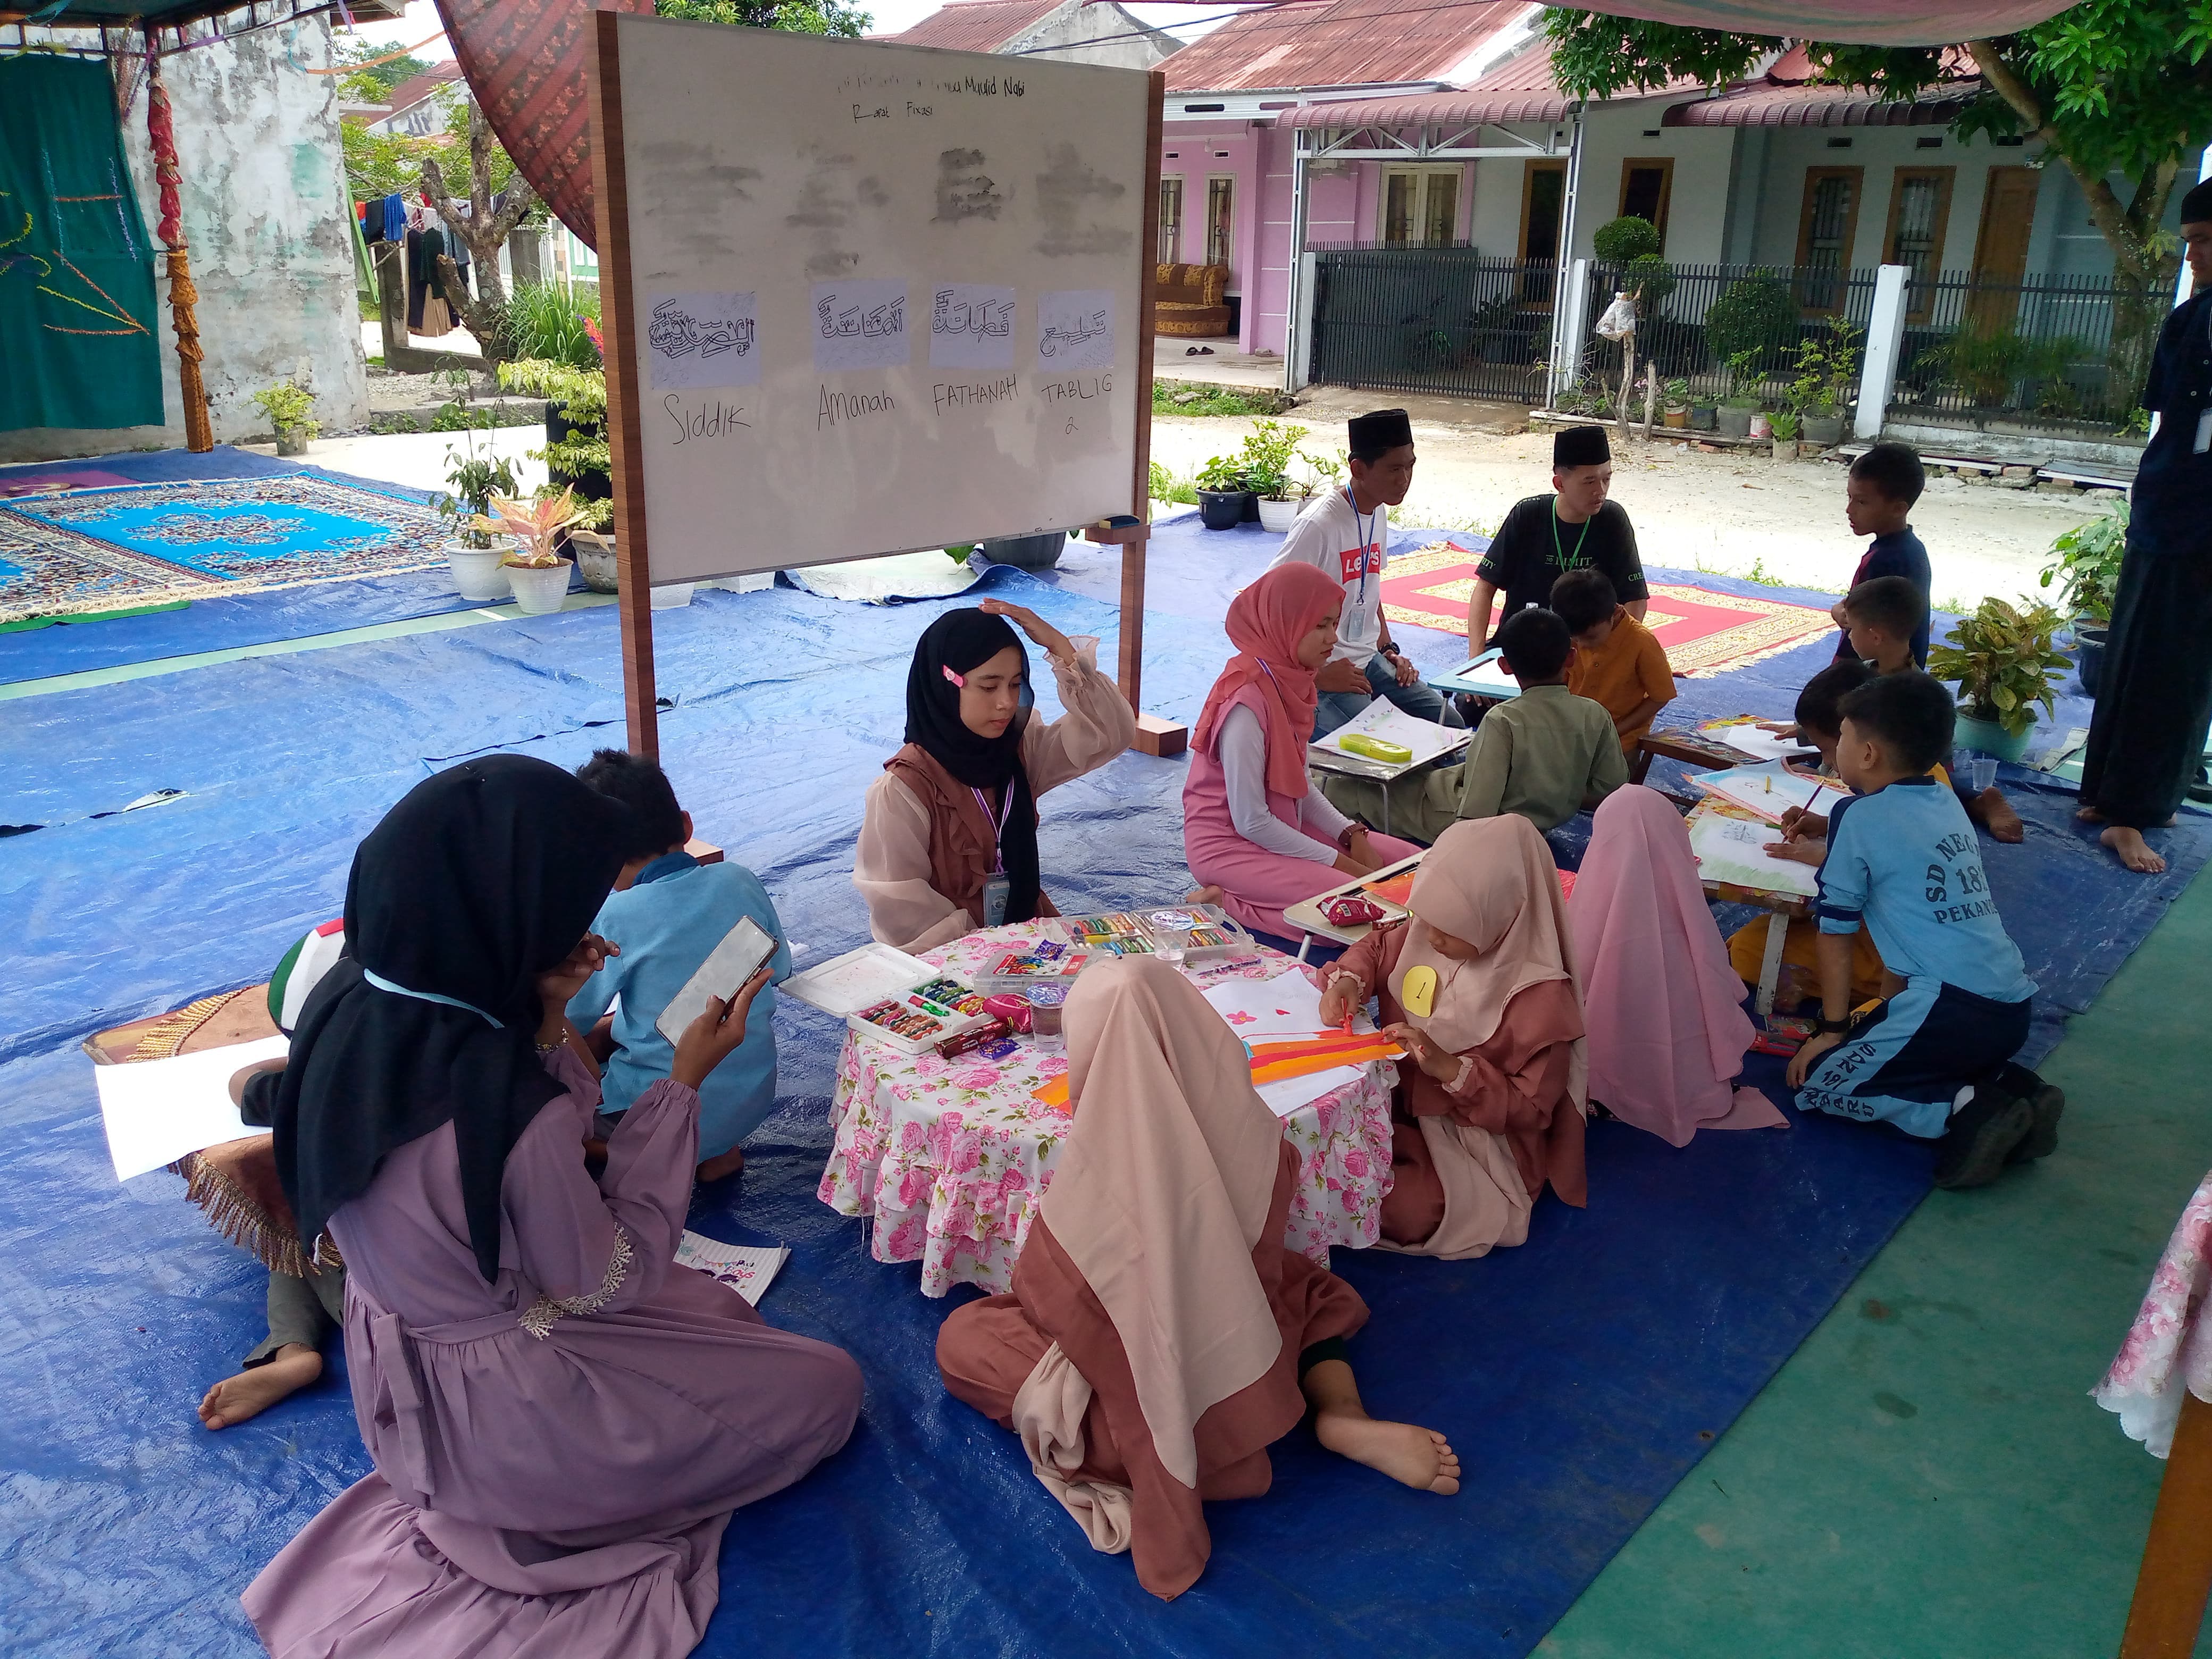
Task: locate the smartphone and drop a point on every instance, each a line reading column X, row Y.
column 727, row 967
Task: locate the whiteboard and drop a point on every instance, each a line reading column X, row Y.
column 881, row 297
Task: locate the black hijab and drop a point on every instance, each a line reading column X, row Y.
column 961, row 641
column 480, row 879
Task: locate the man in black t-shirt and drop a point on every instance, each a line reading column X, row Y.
column 1544, row 537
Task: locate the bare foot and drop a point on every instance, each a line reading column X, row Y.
column 2135, row 851
column 235, row 1398
column 718, row 1168
column 1995, row 814
column 1420, row 1458
column 1208, row 894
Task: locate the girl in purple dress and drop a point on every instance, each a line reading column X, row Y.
column 562, row 1419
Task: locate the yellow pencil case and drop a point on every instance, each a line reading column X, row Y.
column 1393, row 754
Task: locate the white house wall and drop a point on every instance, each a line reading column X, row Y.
column 1697, row 212
column 1068, row 33
column 263, row 195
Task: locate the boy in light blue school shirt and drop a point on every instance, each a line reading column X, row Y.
column 668, row 912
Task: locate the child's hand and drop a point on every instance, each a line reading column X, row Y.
column 1804, row 1059
column 238, row 1079
column 1780, row 728
column 718, row 1033
column 1800, row 850
column 1438, row 1062
column 1055, row 642
column 560, row 982
column 1338, row 1002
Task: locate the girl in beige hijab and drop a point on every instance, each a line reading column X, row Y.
column 1159, row 1338
column 1480, row 986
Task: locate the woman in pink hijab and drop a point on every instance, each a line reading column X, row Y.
column 1159, row 1338
column 1480, row 986
column 1255, row 826
column 1666, row 1028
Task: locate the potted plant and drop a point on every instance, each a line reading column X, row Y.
column 1823, row 386
column 1703, row 413
column 1222, row 492
column 1783, row 423
column 1266, row 461
column 537, row 574
column 476, row 551
column 592, row 544
column 2087, row 572
column 576, row 451
column 1676, row 405
column 1738, row 409
column 291, row 408
column 2002, row 662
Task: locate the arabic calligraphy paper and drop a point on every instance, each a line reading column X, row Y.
column 1075, row 330
column 859, row 323
column 971, row 326
column 696, row 341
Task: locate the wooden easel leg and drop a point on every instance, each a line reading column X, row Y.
column 2168, row 1609
column 1154, row 735
column 1769, row 966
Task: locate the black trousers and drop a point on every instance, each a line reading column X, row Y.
column 2146, row 737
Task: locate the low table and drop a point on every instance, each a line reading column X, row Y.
column 951, row 1157
column 1785, row 907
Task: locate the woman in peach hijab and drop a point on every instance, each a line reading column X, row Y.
column 1159, row 1338
column 1666, row 1027
column 1480, row 986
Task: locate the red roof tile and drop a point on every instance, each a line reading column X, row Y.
column 974, row 24
column 1337, row 43
column 1772, row 103
column 416, row 88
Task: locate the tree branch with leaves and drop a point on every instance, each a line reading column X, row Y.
column 482, row 228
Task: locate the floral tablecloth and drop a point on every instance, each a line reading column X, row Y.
column 2168, row 1349
column 952, row 1158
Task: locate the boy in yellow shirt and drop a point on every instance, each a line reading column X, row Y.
column 1617, row 662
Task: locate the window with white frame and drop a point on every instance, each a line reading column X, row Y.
column 1419, row 206
column 1171, row 218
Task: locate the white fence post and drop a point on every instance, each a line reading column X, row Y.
column 1570, row 323
column 1299, row 369
column 1884, row 341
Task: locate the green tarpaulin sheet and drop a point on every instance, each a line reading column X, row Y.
column 77, row 316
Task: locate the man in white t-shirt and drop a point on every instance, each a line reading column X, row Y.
column 1346, row 534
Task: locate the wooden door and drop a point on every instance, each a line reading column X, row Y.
column 2000, row 249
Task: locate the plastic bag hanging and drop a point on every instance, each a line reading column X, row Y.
column 1620, row 319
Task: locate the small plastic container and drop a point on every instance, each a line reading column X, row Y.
column 1051, row 962
column 1047, row 1004
column 1985, row 772
column 1196, row 934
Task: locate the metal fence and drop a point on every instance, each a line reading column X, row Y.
column 1713, row 331
column 2037, row 354
column 1440, row 320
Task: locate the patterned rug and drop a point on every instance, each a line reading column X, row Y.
column 1705, row 632
column 103, row 549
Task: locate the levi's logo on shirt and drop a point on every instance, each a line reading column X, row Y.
column 1348, row 560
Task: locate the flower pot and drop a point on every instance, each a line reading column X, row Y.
column 2089, row 653
column 1278, row 516
column 1760, row 426
column 1222, row 510
column 1785, row 452
column 1733, row 420
column 1988, row 737
column 1701, row 417
column 477, row 572
column 291, row 440
column 1677, row 418
column 1028, row 552
column 1825, row 430
column 595, row 559
column 538, row 590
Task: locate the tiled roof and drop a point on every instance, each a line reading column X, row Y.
column 416, row 88
column 1520, row 90
column 1337, row 43
column 974, row 24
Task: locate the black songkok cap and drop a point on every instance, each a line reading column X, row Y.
column 1580, row 445
column 2197, row 206
column 1373, row 434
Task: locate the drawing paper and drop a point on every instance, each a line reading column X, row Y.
column 727, row 966
column 157, row 1110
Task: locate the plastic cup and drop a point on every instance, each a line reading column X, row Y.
column 1985, row 772
column 1046, row 1007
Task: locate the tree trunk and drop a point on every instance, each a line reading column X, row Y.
column 484, row 232
column 2141, row 299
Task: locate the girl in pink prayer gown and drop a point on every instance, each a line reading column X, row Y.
column 1664, row 1008
column 1254, row 824
column 562, row 1420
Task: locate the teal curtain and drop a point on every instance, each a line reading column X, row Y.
column 78, row 308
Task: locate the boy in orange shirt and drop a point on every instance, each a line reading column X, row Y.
column 1617, row 662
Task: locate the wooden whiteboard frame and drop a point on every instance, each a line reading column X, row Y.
column 625, row 434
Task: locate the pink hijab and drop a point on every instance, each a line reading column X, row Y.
column 1667, row 1029
column 1162, row 1190
column 1266, row 622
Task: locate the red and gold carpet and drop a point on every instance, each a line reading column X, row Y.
column 1705, row 632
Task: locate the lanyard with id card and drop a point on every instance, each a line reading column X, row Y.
column 996, row 887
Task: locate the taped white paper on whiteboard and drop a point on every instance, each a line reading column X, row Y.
column 1075, row 330
column 702, row 340
column 859, row 324
column 971, row 326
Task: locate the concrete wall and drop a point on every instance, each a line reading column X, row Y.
column 263, row 195
column 1066, row 35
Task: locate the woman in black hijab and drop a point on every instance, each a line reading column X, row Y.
column 948, row 840
column 541, row 1388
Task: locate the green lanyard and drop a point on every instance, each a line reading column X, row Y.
column 1559, row 555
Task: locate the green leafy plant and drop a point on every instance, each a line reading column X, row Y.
column 2002, row 659
column 1743, row 379
column 1676, row 396
column 580, row 397
column 1985, row 367
column 1623, row 241
column 1324, row 472
column 547, row 323
column 475, row 480
column 1782, row 423
column 533, row 523
column 1753, row 317
column 1649, row 279
column 290, row 408
column 2087, row 567
column 1827, row 364
column 1266, row 457
column 1223, row 473
column 1165, row 486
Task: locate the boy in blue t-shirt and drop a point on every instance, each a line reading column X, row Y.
column 1936, row 1058
column 668, row 912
